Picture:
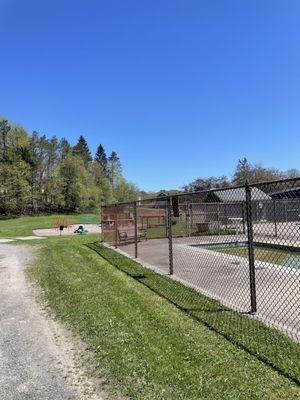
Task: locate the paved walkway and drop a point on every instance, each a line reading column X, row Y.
column 23, row 238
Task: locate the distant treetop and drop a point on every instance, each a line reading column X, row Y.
column 82, row 150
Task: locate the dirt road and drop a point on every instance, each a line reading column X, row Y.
column 38, row 356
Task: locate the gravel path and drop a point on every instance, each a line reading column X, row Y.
column 39, row 359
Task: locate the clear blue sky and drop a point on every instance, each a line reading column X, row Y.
column 179, row 88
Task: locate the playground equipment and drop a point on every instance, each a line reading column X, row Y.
column 80, row 230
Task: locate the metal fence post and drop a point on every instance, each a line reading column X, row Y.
column 188, row 219
column 101, row 224
column 285, row 212
column 170, row 235
column 116, row 227
column 218, row 218
column 250, row 248
column 135, row 230
column 275, row 217
column 166, row 218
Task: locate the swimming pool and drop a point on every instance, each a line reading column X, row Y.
column 287, row 256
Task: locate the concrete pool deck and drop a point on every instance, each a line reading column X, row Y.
column 225, row 277
column 284, row 230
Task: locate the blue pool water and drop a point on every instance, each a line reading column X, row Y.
column 221, row 245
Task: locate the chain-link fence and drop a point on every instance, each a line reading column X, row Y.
column 238, row 249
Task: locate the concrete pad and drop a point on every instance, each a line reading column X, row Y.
column 225, row 277
column 69, row 231
column 30, row 237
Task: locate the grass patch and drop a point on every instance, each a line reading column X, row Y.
column 266, row 343
column 23, row 226
column 143, row 345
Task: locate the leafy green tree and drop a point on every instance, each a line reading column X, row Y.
column 101, row 182
column 39, row 168
column 243, row 172
column 18, row 145
column 263, row 174
column 207, row 183
column 4, row 130
column 254, row 173
column 43, row 174
column 114, row 168
column 15, row 190
column 125, row 191
column 64, row 148
column 52, row 198
column 81, row 149
column 74, row 183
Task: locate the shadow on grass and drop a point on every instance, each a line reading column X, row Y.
column 267, row 344
column 7, row 217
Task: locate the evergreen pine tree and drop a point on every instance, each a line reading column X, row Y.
column 64, row 148
column 81, row 149
column 101, row 158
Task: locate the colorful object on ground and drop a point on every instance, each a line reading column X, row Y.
column 80, row 230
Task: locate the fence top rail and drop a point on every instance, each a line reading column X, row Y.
column 166, row 198
column 216, row 203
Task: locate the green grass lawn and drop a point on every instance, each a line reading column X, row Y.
column 23, row 226
column 270, row 255
column 143, row 338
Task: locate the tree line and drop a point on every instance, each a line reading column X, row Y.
column 244, row 171
column 40, row 174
